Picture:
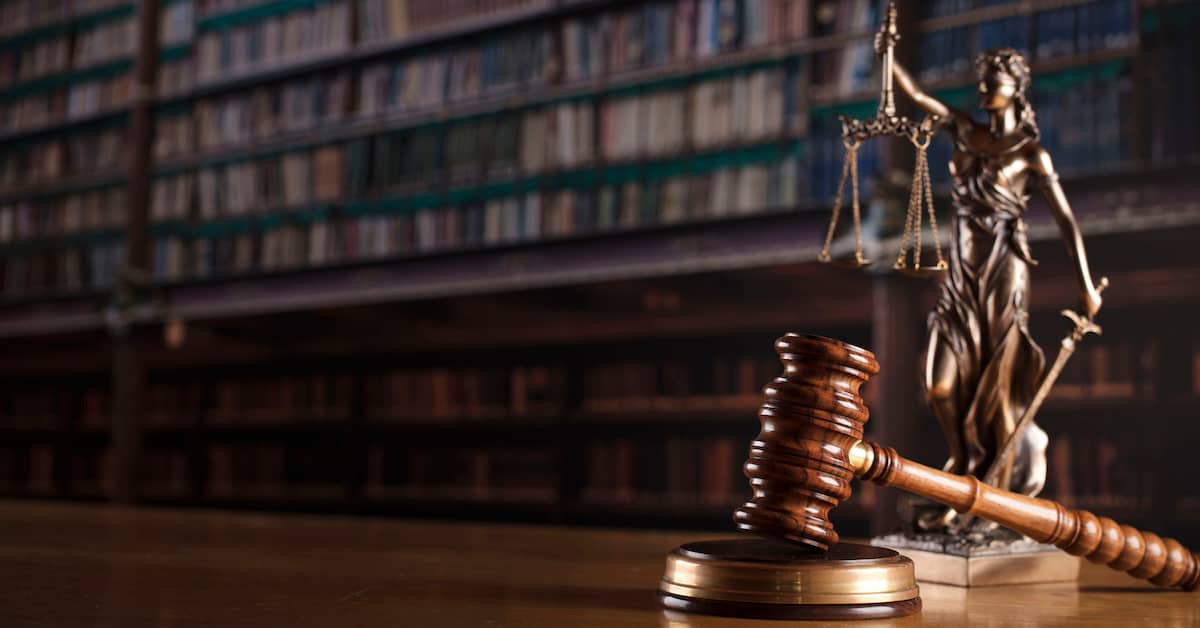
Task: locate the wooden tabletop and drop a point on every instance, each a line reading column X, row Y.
column 70, row 566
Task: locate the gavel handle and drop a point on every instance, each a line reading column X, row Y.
column 1101, row 540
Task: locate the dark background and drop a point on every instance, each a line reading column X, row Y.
column 525, row 260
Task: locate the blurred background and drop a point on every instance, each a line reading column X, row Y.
column 525, row 260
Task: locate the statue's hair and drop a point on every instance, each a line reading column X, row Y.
column 1011, row 63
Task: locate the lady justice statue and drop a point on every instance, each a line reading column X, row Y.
column 981, row 367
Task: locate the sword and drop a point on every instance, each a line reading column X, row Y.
column 1083, row 326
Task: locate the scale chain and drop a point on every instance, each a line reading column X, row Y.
column 911, row 217
column 849, row 171
column 920, row 200
column 919, row 182
column 887, row 123
column 858, row 246
column 933, row 228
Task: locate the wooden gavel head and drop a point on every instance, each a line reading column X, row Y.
column 799, row 465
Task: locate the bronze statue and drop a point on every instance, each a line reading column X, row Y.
column 981, row 366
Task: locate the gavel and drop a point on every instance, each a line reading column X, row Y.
column 811, row 446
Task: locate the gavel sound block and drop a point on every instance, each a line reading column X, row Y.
column 800, row 468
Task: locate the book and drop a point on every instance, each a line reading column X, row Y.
column 173, row 404
column 463, row 394
column 1012, row 32
column 942, row 8
column 743, row 108
column 18, row 15
column 845, row 71
column 242, row 118
column 384, row 20
column 174, row 135
column 1107, row 369
column 88, row 263
column 281, row 400
column 1084, row 115
column 463, row 474
column 277, row 184
column 176, row 24
column 676, row 471
column 45, row 160
column 40, row 58
column 557, row 136
column 826, row 153
column 176, row 76
column 243, row 47
column 944, row 55
column 1055, row 34
column 1172, row 133
column 89, row 98
column 1098, row 472
column 656, row 388
column 107, row 41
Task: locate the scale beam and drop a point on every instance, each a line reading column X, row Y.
column 887, row 123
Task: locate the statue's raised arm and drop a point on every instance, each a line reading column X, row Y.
column 908, row 85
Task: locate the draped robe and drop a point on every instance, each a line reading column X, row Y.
column 982, row 316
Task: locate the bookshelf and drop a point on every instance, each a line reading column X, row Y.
column 756, row 110
column 336, row 189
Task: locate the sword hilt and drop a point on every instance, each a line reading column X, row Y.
column 1084, row 325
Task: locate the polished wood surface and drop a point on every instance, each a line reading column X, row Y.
column 102, row 566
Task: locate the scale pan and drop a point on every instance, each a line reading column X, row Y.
column 924, row 271
column 850, row 263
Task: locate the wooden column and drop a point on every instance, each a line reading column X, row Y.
column 127, row 388
column 898, row 411
column 129, row 377
column 141, row 134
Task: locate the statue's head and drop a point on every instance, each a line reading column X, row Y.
column 1004, row 78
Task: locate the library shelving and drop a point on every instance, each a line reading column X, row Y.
column 525, row 259
column 307, row 141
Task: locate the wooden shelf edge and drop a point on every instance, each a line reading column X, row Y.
column 355, row 127
column 68, row 17
column 382, row 425
column 699, row 247
column 63, row 125
column 65, row 185
column 979, row 15
column 724, row 244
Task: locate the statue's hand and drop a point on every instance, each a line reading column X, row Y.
column 1092, row 299
column 880, row 43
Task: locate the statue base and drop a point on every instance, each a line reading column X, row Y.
column 964, row 562
column 756, row 578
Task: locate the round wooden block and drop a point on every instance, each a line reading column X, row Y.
column 757, row 578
